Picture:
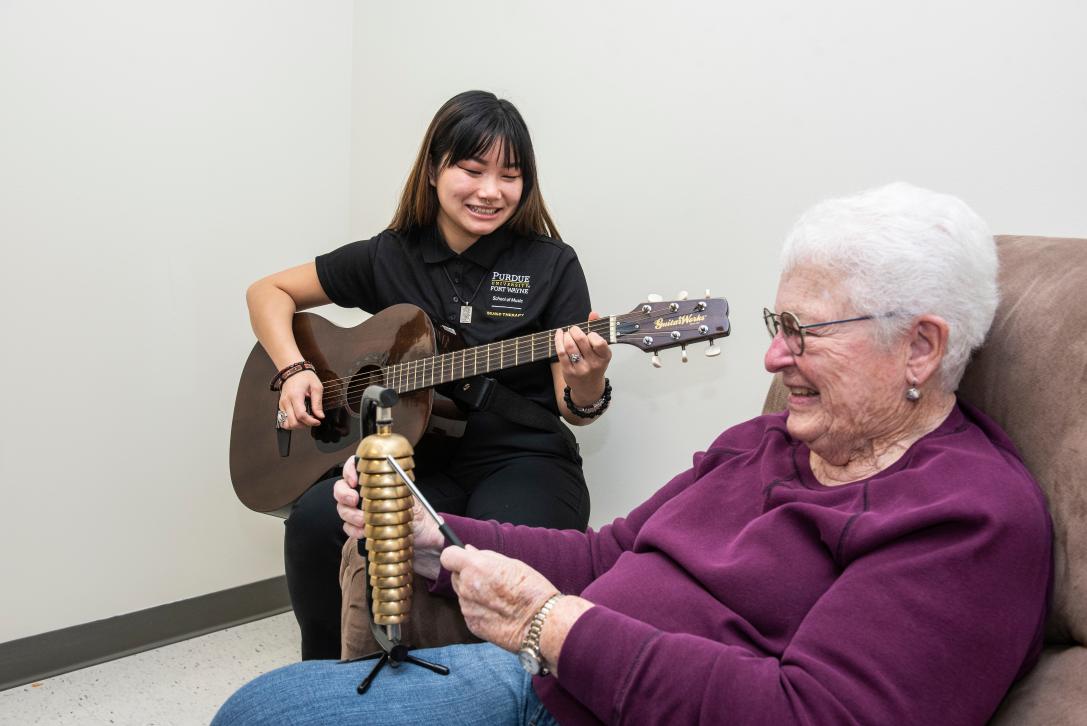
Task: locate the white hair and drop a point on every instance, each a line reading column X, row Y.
column 903, row 251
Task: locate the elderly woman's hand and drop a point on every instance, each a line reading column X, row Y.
column 498, row 595
column 427, row 540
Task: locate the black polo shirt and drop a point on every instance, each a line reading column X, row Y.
column 515, row 286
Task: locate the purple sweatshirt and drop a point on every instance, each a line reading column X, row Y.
column 745, row 592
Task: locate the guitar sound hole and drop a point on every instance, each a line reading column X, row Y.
column 365, row 376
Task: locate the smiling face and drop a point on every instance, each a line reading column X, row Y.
column 846, row 390
column 476, row 196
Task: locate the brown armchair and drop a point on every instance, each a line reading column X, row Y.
column 1031, row 377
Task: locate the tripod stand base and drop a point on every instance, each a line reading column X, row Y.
column 399, row 654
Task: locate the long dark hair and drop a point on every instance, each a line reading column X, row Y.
column 466, row 126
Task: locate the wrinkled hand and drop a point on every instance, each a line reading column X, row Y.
column 498, row 595
column 427, row 539
column 292, row 400
column 585, row 376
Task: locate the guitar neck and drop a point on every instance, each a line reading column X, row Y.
column 436, row 370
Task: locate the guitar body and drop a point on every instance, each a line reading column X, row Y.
column 267, row 481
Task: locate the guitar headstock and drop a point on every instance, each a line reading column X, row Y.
column 654, row 326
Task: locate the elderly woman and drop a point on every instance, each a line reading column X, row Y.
column 875, row 554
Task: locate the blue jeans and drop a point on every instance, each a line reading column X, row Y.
column 486, row 685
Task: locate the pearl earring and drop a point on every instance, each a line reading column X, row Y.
column 913, row 393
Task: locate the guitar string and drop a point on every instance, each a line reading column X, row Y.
column 537, row 344
column 419, row 371
column 414, row 370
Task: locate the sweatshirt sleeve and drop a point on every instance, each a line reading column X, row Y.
column 930, row 625
column 568, row 558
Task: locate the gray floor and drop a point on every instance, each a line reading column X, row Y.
column 183, row 683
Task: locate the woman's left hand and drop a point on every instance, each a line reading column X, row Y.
column 583, row 360
column 498, row 595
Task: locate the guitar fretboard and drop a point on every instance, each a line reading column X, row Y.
column 439, row 369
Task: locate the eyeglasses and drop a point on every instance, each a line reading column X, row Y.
column 793, row 331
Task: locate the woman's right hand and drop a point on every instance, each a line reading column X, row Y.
column 292, row 400
column 428, row 541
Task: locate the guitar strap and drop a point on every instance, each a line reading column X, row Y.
column 482, row 393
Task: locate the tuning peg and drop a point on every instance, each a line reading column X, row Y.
column 653, row 297
column 713, row 350
column 683, row 351
column 681, row 295
column 657, row 361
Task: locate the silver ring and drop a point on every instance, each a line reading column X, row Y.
column 574, row 357
column 281, row 419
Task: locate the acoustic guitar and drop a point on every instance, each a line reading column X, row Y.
column 397, row 348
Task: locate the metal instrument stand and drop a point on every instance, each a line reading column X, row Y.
column 394, row 653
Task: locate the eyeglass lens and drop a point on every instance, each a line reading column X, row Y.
column 790, row 329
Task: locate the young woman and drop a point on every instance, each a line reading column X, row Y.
column 473, row 245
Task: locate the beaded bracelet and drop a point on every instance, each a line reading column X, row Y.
column 589, row 411
column 283, row 375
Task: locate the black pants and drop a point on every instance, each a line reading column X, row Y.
column 497, row 471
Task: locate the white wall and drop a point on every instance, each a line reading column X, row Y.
column 155, row 158
column 678, row 141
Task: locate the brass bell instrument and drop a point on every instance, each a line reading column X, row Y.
column 386, row 506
